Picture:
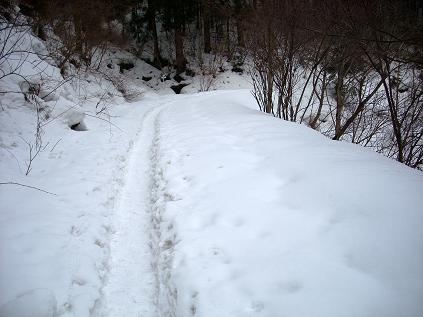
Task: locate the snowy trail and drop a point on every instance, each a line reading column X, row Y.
column 130, row 287
column 266, row 224
column 205, row 207
column 162, row 236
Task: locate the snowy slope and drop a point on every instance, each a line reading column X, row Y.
column 55, row 243
column 60, row 244
column 272, row 219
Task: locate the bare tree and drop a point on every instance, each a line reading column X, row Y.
column 13, row 36
column 358, row 65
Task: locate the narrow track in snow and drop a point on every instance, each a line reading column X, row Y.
column 132, row 283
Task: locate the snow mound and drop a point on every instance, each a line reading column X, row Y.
column 71, row 115
column 273, row 219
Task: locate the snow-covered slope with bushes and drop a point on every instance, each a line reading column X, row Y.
column 64, row 145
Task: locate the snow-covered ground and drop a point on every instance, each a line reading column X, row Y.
column 198, row 205
column 202, row 206
column 60, row 244
column 272, row 219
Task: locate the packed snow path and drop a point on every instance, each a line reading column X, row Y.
column 222, row 211
column 130, row 282
column 138, row 281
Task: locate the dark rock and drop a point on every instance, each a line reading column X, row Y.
column 79, row 127
column 237, row 69
column 178, row 78
column 177, row 88
column 146, row 78
column 125, row 65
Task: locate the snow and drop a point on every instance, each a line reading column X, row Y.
column 60, row 243
column 273, row 219
column 35, row 303
column 129, row 247
column 195, row 205
column 55, row 249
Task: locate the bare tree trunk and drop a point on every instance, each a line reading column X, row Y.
column 240, row 32
column 320, row 97
column 340, row 102
column 342, row 129
column 153, row 28
column 179, row 50
column 78, row 35
column 270, row 73
column 393, row 111
column 206, row 27
column 269, row 103
column 228, row 37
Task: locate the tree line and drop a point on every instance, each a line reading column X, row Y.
column 84, row 27
column 353, row 71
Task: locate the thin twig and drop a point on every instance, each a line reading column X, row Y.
column 52, row 149
column 16, row 159
column 108, row 121
column 28, row 186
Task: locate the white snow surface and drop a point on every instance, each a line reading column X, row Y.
column 203, row 206
column 198, row 205
column 273, row 219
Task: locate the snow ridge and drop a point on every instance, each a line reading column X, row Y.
column 162, row 234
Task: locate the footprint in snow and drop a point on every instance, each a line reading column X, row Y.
column 76, row 231
column 257, row 306
column 77, row 280
column 99, row 243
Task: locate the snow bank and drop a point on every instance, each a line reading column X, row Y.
column 60, row 242
column 54, row 248
column 273, row 219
